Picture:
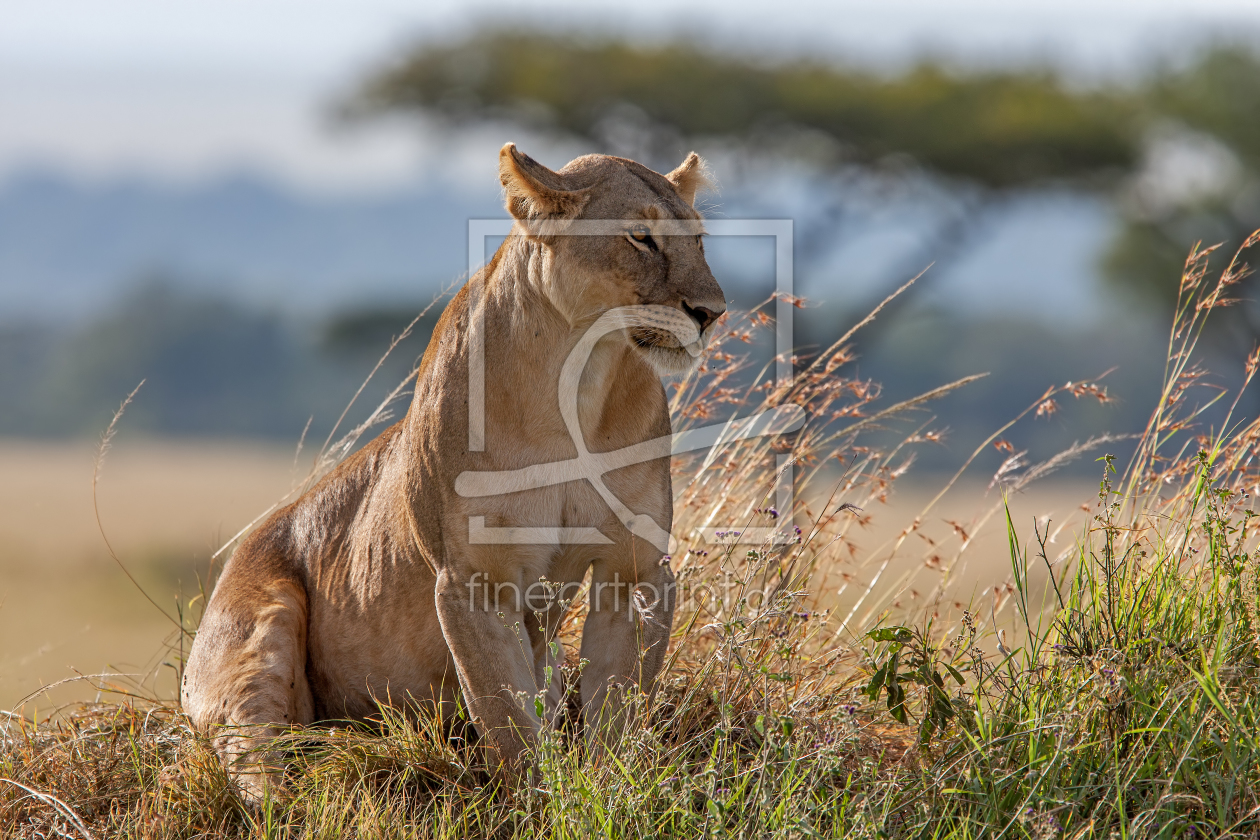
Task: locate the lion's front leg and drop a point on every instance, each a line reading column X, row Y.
column 484, row 624
column 624, row 641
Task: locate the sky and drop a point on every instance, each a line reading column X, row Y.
column 188, row 90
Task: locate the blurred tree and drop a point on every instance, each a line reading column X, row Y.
column 982, row 135
column 370, row 331
column 207, row 364
column 1182, row 151
column 1219, row 93
column 1201, row 181
column 211, row 366
column 998, row 129
column 25, row 350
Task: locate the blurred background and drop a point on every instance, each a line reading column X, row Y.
column 241, row 203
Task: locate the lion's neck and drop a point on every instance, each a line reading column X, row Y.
column 532, row 339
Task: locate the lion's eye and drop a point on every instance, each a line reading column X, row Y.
column 640, row 233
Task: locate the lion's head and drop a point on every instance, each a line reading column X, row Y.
column 613, row 233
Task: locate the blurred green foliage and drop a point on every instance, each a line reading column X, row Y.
column 368, row 332
column 996, row 128
column 210, row 367
column 1218, row 97
column 1219, row 94
column 213, row 367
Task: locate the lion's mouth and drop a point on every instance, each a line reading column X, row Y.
column 667, row 338
column 659, row 339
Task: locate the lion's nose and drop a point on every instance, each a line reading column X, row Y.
column 703, row 315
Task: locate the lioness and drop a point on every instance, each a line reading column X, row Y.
column 375, row 586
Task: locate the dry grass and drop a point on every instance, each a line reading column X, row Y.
column 166, row 505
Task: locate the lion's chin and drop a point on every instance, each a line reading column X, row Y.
column 668, row 361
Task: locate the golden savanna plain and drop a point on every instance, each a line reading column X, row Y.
column 68, row 612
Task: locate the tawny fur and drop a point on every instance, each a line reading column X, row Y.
column 358, row 593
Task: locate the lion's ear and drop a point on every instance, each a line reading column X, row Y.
column 691, row 176
column 533, row 191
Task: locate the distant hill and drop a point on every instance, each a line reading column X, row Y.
column 249, row 309
column 68, row 248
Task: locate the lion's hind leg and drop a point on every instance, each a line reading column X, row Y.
column 245, row 682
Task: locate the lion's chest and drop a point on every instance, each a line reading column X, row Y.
column 576, row 505
column 534, row 473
